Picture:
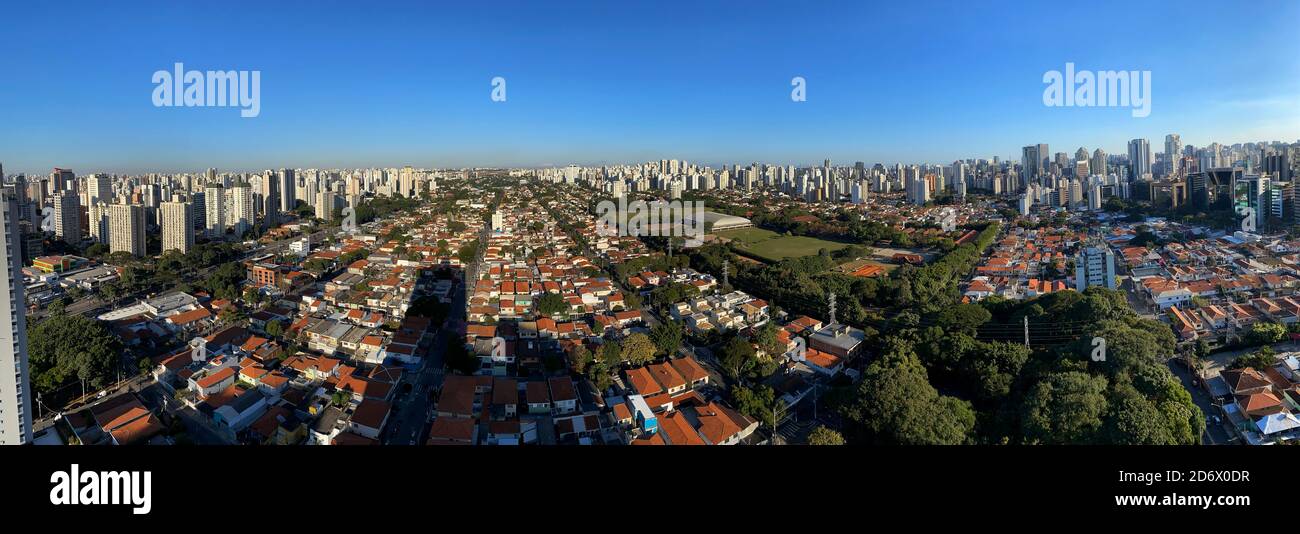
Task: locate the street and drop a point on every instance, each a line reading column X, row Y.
column 1214, row 434
column 410, row 415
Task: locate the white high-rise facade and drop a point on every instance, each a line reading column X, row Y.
column 177, row 221
column 1173, row 153
column 15, row 379
column 126, row 229
column 1094, row 266
column 240, row 211
column 98, row 215
column 99, row 188
column 214, row 203
column 67, row 217
column 287, row 190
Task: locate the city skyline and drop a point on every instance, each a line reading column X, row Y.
column 624, row 84
column 1120, row 152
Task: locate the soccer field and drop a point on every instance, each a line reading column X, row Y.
column 772, row 246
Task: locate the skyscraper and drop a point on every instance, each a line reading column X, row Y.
column 1173, row 153
column 214, row 202
column 286, row 190
column 15, row 380
column 177, row 221
column 1031, row 162
column 1098, row 165
column 98, row 219
column 326, row 202
column 126, row 229
column 240, row 212
column 67, row 217
column 406, row 183
column 1139, row 159
column 99, row 188
column 63, row 180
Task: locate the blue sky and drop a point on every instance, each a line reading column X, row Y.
column 352, row 84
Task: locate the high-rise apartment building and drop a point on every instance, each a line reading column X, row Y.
column 67, row 217
column 177, row 220
column 287, row 187
column 15, row 378
column 1098, row 165
column 214, row 203
column 1139, row 159
column 1033, row 161
column 98, row 220
column 240, row 211
column 1173, row 153
column 99, row 188
column 126, row 229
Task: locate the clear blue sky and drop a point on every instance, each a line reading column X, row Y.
column 349, row 84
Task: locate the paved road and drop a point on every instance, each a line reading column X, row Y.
column 409, row 421
column 196, row 425
column 1214, row 434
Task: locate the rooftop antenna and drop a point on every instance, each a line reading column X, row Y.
column 832, row 307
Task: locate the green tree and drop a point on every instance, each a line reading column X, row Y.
column 825, row 436
column 550, row 304
column 611, row 355
column 1261, row 359
column 638, row 349
column 632, row 300
column 224, row 282
column 1265, row 334
column 767, row 341
column 1064, row 408
column 64, row 348
column 580, row 358
column 275, row 328
column 760, row 403
column 897, row 405
column 467, row 253
column 737, row 357
column 667, row 337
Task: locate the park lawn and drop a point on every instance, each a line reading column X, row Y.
column 774, row 247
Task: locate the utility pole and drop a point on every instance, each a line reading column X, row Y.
column 1026, row 331
column 831, row 306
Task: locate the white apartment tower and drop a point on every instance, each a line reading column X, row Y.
column 1094, row 266
column 98, row 222
column 99, row 188
column 214, row 203
column 15, row 387
column 126, row 229
column 67, row 217
column 240, row 211
column 177, row 221
column 286, row 190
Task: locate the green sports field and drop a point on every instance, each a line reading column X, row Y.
column 772, row 246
